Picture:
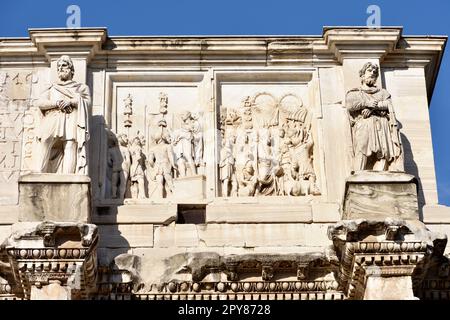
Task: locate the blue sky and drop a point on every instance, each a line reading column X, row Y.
column 235, row 17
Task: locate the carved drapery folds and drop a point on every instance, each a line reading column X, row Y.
column 267, row 148
column 375, row 132
column 63, row 132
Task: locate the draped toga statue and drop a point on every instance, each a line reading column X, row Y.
column 376, row 138
column 63, row 132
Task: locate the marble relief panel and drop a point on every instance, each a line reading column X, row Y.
column 157, row 141
column 266, row 140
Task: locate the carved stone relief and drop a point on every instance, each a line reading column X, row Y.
column 267, row 147
column 155, row 146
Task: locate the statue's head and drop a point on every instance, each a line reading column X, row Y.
column 123, row 139
column 249, row 167
column 136, row 141
column 369, row 74
column 65, row 68
column 185, row 116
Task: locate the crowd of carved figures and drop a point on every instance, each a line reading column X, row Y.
column 145, row 168
column 267, row 148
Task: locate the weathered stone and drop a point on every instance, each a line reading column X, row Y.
column 126, row 235
column 57, row 260
column 54, row 197
column 219, row 182
column 190, row 188
column 392, row 249
column 374, row 194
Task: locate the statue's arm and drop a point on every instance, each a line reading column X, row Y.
column 385, row 103
column 85, row 95
column 354, row 102
column 44, row 103
column 170, row 155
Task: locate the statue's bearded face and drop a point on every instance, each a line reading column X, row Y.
column 370, row 76
column 64, row 71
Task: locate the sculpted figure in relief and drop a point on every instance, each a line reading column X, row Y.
column 284, row 163
column 197, row 141
column 188, row 145
column 247, row 180
column 226, row 166
column 161, row 163
column 265, row 163
column 114, row 161
column 63, row 132
column 376, row 138
column 273, row 151
column 182, row 144
column 137, row 168
column 119, row 161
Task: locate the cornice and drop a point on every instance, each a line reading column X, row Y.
column 331, row 48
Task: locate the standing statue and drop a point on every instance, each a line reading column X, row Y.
column 126, row 164
column 63, row 132
column 376, row 138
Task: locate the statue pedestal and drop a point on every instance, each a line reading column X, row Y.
column 54, row 197
column 192, row 187
column 380, row 194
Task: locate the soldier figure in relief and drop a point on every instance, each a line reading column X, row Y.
column 137, row 173
column 161, row 163
column 119, row 161
column 376, row 138
column 63, row 132
column 226, row 166
column 183, row 146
